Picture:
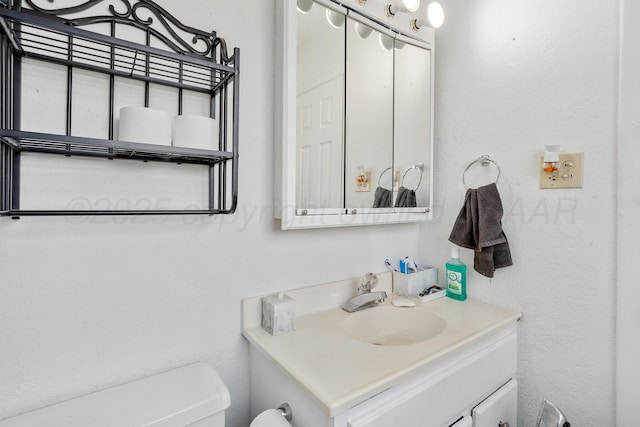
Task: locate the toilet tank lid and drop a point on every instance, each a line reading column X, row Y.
column 178, row 397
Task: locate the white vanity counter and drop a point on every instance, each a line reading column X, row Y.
column 340, row 372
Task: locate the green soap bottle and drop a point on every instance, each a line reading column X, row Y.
column 456, row 276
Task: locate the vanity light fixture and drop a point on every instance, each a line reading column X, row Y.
column 408, row 6
column 335, row 19
column 432, row 17
column 304, row 6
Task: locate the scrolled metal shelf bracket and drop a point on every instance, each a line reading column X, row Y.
column 196, row 42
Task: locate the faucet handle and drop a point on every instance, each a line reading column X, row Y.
column 369, row 282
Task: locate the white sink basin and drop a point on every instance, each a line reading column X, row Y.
column 393, row 326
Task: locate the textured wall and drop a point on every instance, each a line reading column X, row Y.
column 628, row 312
column 85, row 304
column 510, row 77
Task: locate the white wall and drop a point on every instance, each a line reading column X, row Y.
column 510, row 77
column 89, row 303
column 628, row 308
column 84, row 306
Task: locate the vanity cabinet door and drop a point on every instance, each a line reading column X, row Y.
column 498, row 409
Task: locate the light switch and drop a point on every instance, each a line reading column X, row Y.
column 568, row 174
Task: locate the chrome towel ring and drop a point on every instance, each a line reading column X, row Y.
column 420, row 168
column 484, row 160
column 382, row 173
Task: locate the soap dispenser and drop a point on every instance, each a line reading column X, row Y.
column 456, row 279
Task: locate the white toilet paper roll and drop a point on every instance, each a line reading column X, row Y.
column 140, row 124
column 195, row 132
column 270, row 418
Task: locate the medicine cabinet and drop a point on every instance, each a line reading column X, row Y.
column 125, row 46
column 355, row 116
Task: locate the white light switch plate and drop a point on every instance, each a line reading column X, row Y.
column 568, row 175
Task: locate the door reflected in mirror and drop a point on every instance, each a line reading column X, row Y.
column 319, row 107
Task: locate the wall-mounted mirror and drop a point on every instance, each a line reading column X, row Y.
column 369, row 127
column 356, row 123
column 319, row 104
column 412, row 112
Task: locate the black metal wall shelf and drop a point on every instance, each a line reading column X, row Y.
column 91, row 147
column 197, row 61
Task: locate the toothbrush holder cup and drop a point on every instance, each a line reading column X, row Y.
column 414, row 283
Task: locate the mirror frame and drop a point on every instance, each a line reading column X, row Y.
column 285, row 130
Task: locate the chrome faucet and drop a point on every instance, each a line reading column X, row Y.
column 365, row 298
column 368, row 300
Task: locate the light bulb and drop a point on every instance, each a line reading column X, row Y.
column 434, row 17
column 435, row 13
column 408, row 6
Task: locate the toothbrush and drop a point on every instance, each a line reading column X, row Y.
column 389, row 266
column 410, row 265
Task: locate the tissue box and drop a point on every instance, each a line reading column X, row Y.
column 278, row 314
column 414, row 283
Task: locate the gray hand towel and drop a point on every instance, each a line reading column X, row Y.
column 406, row 198
column 382, row 198
column 479, row 227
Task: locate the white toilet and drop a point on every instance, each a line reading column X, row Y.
column 193, row 396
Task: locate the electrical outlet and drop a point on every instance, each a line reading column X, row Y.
column 568, row 174
column 363, row 182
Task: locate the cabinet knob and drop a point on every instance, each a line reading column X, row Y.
column 503, row 424
column 353, row 212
